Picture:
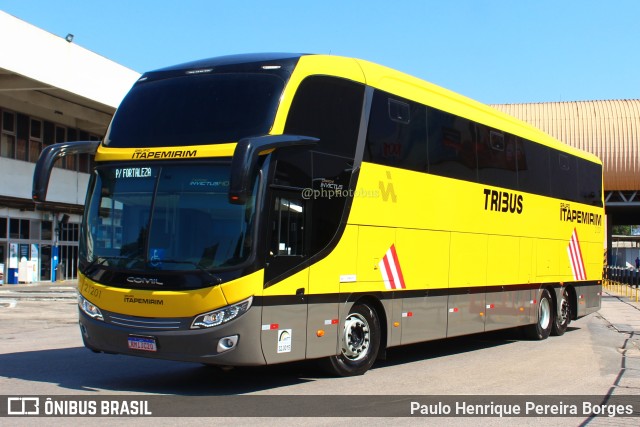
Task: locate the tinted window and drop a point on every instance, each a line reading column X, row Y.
column 198, row 109
column 497, row 157
column 452, row 150
column 165, row 218
column 397, row 133
column 293, row 169
column 533, row 168
column 462, row 149
column 590, row 183
column 330, row 109
column 564, row 176
column 327, row 108
column 331, row 180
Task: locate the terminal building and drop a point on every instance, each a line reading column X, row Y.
column 52, row 90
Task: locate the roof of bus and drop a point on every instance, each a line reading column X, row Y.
column 398, row 83
column 244, row 58
column 419, row 90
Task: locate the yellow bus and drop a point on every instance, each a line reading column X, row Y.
column 260, row 209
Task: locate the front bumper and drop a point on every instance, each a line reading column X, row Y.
column 175, row 341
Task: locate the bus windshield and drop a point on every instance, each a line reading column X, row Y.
column 169, row 217
column 195, row 110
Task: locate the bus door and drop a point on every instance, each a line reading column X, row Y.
column 284, row 312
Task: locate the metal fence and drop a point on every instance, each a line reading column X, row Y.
column 624, row 281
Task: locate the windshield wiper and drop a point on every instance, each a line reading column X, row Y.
column 215, row 278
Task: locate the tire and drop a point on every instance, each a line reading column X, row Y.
column 360, row 342
column 562, row 314
column 542, row 328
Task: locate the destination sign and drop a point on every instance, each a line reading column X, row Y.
column 133, row 173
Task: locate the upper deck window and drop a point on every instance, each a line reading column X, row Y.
column 196, row 109
column 328, row 108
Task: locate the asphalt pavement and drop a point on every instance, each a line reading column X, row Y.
column 620, row 307
column 619, row 310
column 38, row 291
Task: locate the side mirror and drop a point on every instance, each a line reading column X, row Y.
column 48, row 157
column 245, row 158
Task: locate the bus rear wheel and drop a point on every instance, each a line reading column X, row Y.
column 563, row 314
column 359, row 343
column 542, row 328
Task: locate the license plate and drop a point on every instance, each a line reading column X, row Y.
column 142, row 343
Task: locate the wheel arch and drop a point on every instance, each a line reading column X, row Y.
column 573, row 301
column 375, row 303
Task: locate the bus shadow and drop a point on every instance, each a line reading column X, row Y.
column 80, row 370
column 85, row 372
column 453, row 346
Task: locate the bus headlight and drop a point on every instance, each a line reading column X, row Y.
column 89, row 309
column 222, row 315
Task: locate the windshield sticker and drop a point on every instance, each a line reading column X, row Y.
column 157, row 255
column 204, row 182
column 133, row 173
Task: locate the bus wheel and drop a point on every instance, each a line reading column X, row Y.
column 542, row 328
column 359, row 343
column 563, row 314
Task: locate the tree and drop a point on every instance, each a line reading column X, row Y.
column 622, row 230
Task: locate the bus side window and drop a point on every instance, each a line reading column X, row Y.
column 589, row 180
column 287, row 227
column 452, row 146
column 396, row 134
column 327, row 108
column 533, row 168
column 564, row 176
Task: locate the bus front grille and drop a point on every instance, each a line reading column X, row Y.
column 147, row 323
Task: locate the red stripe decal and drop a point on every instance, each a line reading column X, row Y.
column 387, row 269
column 575, row 257
column 394, row 254
column 390, row 269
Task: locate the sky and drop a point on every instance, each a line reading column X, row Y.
column 495, row 51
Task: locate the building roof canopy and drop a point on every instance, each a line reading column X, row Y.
column 610, row 129
column 47, row 76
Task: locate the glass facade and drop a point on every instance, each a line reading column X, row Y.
column 33, row 241
column 23, row 137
